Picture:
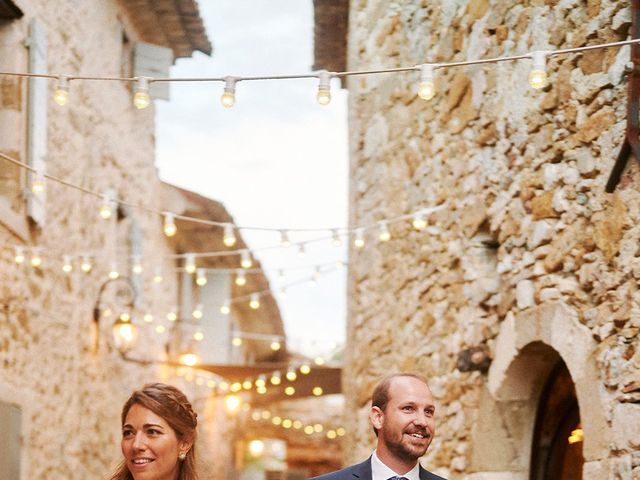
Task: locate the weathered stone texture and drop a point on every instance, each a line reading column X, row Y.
column 70, row 395
column 525, row 168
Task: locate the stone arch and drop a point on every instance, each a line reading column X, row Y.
column 527, row 347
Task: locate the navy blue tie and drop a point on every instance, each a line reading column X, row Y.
column 398, row 478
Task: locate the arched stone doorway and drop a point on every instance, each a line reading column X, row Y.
column 529, row 349
column 556, row 451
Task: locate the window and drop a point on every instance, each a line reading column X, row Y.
column 10, row 427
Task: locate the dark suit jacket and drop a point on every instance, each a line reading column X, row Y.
column 362, row 471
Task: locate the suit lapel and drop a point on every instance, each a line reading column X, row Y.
column 363, row 470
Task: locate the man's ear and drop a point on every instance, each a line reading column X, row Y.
column 377, row 417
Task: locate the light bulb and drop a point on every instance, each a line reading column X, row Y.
column 236, row 341
column 136, row 268
column 291, row 375
column 261, row 381
column 419, row 222
column 148, row 318
column 169, row 227
column 538, row 77
column 284, row 239
column 61, row 93
column 172, row 316
column 113, row 271
column 67, row 267
column 36, row 259
column 37, row 182
column 141, row 98
column 241, row 278
column 254, row 301
column 319, row 361
column 340, row 431
column 308, row 429
column 106, row 208
column 358, row 242
column 189, row 359
column 161, row 329
column 19, row 255
column 426, row 88
column 289, row 390
column 225, row 309
column 331, row 434
column 317, row 391
column 157, row 275
column 229, row 237
column 316, row 276
column 228, row 98
column 275, row 379
column 335, row 238
column 301, row 250
column 324, row 88
column 201, row 277
column 384, row 234
column 275, row 345
column 305, row 369
column 245, row 259
column 190, row 263
column 197, row 312
column 198, row 336
column 85, row 264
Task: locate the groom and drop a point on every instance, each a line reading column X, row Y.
column 402, row 415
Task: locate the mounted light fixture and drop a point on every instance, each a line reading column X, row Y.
column 124, row 331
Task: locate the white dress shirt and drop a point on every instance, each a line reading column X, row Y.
column 379, row 471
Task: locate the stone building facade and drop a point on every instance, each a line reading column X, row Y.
column 530, row 262
column 62, row 381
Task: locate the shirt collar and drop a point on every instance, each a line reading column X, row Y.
column 380, row 471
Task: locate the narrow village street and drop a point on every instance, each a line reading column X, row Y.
column 224, row 224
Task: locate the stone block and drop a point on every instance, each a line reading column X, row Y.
column 542, row 206
column 525, row 294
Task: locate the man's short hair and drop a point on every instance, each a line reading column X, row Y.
column 380, row 395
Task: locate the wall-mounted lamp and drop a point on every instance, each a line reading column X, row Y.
column 125, row 332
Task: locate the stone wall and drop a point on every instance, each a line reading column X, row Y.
column 529, row 247
column 70, row 395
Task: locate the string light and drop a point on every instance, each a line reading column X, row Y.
column 419, row 223
column 67, row 267
column 538, row 77
column 324, row 88
column 275, row 345
column 358, row 242
column 160, row 329
column 384, row 234
column 284, row 239
column 305, row 369
column 113, row 271
column 225, row 309
column 236, row 341
column 19, row 255
column 241, row 278
column 85, row 264
column 197, row 312
column 107, row 206
column 36, row 259
column 157, row 275
column 245, row 259
column 201, row 277
column 137, row 265
column 169, row 227
column 190, row 263
column 289, row 390
column 275, row 379
column 141, row 98
column 229, row 237
column 426, row 87
column 189, row 359
column 228, row 98
column 291, row 374
column 319, row 361
column 172, row 316
column 316, row 276
column 37, row 181
column 198, row 336
column 61, row 93
column 148, row 318
column 317, row 391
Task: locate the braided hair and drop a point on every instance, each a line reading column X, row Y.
column 172, row 405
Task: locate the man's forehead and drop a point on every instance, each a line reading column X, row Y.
column 404, row 388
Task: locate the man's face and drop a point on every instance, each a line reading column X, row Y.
column 406, row 426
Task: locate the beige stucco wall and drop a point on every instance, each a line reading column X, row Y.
column 525, row 168
column 70, row 395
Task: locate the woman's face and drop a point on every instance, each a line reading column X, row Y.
column 150, row 446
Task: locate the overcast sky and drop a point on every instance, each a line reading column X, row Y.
column 276, row 159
